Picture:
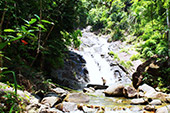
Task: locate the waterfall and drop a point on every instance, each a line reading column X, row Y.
column 94, row 50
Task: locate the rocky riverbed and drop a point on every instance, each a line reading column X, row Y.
column 115, row 99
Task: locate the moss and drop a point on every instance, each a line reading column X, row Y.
column 127, row 64
column 135, row 57
column 125, row 50
column 115, row 55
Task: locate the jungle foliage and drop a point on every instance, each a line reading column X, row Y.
column 37, row 33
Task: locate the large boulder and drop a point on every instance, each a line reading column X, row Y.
column 115, row 90
column 157, row 95
column 129, row 92
column 150, row 92
column 165, row 109
column 73, row 74
column 77, row 98
column 147, row 90
column 67, row 106
column 156, row 102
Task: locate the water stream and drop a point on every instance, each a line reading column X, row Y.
column 94, row 50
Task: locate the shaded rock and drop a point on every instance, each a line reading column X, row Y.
column 149, row 108
column 73, row 74
column 33, row 108
column 139, row 101
column 67, row 106
column 88, row 110
column 129, row 92
column 97, row 86
column 137, row 76
column 115, row 90
column 165, row 109
column 155, row 102
column 50, row 100
column 40, row 94
column 77, row 98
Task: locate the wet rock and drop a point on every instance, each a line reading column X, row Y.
column 129, row 92
column 77, row 98
column 115, row 90
column 50, row 100
column 149, row 108
column 155, row 102
column 99, row 93
column 139, row 101
column 67, row 106
column 165, row 109
column 51, row 94
column 97, row 86
column 73, row 74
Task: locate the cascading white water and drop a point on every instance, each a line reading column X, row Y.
column 92, row 49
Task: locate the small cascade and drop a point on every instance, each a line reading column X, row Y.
column 94, row 50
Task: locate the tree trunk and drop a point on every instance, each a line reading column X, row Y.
column 2, row 21
column 168, row 24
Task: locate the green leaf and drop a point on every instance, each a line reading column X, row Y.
column 37, row 16
column 26, row 21
column 9, row 30
column 10, row 36
column 40, row 25
column 2, row 45
column 30, row 30
column 33, row 20
column 46, row 21
column 23, row 28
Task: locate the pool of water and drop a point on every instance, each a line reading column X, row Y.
column 117, row 104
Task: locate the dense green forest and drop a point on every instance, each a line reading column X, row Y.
column 37, row 33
